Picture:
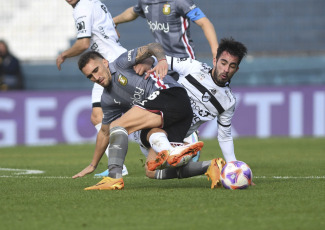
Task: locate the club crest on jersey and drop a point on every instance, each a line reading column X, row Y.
column 166, row 9
column 206, row 97
column 122, row 80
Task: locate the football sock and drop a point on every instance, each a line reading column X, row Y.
column 186, row 171
column 227, row 148
column 118, row 142
column 159, row 142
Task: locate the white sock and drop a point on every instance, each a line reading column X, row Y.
column 227, row 148
column 159, row 142
column 98, row 126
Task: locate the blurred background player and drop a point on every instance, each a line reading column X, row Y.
column 11, row 77
column 169, row 22
column 95, row 31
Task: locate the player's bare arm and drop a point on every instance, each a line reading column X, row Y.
column 126, row 16
column 101, row 145
column 154, row 49
column 209, row 33
column 78, row 47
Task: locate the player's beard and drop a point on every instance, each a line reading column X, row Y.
column 217, row 79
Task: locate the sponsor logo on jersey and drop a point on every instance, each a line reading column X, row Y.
column 81, row 26
column 146, row 11
column 158, row 26
column 204, row 113
column 102, row 32
column 117, row 102
column 104, row 8
column 206, row 97
column 137, row 96
column 130, row 54
column 122, row 80
column 94, row 46
column 192, row 7
column 166, row 9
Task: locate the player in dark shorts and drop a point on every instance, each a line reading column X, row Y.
column 131, row 102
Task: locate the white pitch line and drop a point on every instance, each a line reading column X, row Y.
column 255, row 177
column 22, row 171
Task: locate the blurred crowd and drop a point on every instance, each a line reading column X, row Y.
column 11, row 77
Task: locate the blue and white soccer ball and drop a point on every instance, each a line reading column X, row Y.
column 236, row 175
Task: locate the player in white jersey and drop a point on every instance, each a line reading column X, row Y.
column 95, row 31
column 211, row 98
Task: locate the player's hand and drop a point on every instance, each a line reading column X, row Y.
column 160, row 69
column 144, row 66
column 89, row 169
column 60, row 59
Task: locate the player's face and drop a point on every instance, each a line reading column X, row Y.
column 72, row 2
column 225, row 68
column 97, row 71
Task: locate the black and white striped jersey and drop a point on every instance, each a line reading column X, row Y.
column 209, row 101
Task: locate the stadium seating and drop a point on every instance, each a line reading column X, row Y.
column 285, row 39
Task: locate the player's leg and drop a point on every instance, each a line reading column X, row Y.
column 194, row 137
column 96, row 119
column 212, row 169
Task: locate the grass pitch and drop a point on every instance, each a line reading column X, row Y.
column 289, row 192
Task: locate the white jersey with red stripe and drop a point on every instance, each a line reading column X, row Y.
column 169, row 22
column 94, row 21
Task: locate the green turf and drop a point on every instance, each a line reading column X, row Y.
column 289, row 192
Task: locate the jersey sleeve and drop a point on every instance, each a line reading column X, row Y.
column 185, row 66
column 138, row 9
column 127, row 59
column 83, row 19
column 184, row 6
column 195, row 14
column 224, row 124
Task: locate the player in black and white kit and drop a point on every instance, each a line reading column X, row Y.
column 211, row 99
column 159, row 108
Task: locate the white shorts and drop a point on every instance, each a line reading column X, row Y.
column 96, row 95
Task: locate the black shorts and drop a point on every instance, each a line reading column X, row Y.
column 175, row 108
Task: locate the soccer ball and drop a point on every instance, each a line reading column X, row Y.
column 236, row 175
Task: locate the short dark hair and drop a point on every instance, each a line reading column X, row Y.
column 233, row 47
column 84, row 59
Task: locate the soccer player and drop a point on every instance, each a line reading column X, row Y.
column 131, row 103
column 96, row 31
column 211, row 98
column 169, row 22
